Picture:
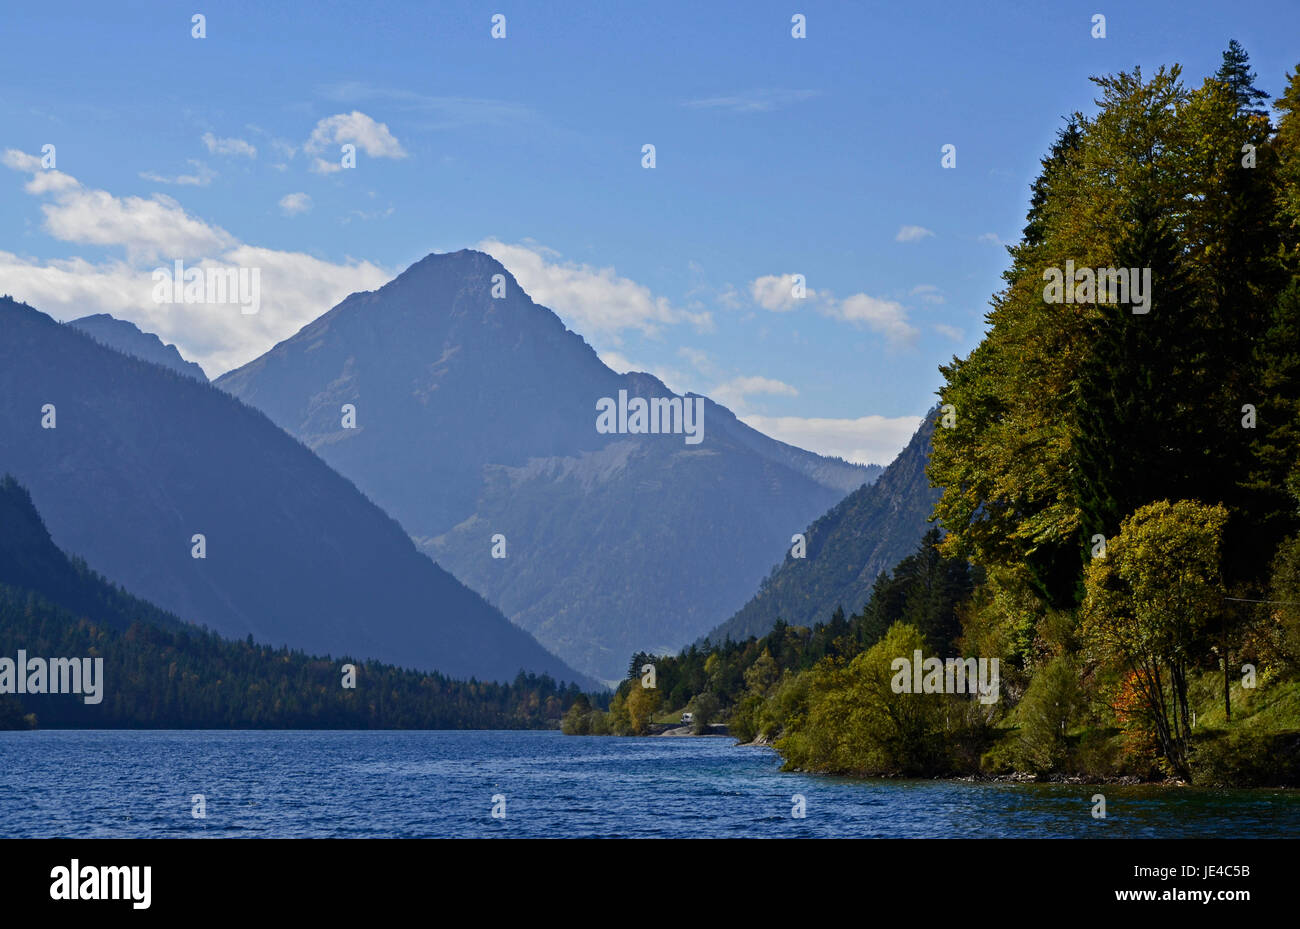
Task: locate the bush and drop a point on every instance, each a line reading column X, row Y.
column 1247, row 758
column 1051, row 703
column 704, row 709
column 856, row 724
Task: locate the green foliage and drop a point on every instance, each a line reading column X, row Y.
column 1079, row 421
column 704, row 710
column 1247, row 757
column 577, row 721
column 856, row 724
column 641, row 704
column 1281, row 633
column 1050, row 705
column 1149, row 602
column 866, row 533
column 923, row 591
column 618, row 721
column 1069, row 417
column 1235, row 72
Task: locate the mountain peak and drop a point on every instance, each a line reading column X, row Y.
column 459, row 267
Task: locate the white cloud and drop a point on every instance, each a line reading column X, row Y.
column 228, row 146
column 594, row 302
column 356, row 127
column 21, row 161
column 951, row 332
column 882, row 316
column 729, row 297
column 367, row 215
column 927, row 292
column 295, row 288
column 42, row 181
column 775, row 292
column 887, row 317
column 753, row 101
column 145, row 228
column 912, row 234
column 866, row 440
column 295, row 203
column 735, row 393
column 282, row 147
column 699, row 360
column 201, row 177
column 51, row 181
column 991, row 238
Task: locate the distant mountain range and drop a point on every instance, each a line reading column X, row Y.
column 127, row 338
column 868, row 532
column 475, row 426
column 142, row 459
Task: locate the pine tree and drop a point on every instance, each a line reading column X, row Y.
column 1132, row 412
column 1235, row 72
column 1067, row 142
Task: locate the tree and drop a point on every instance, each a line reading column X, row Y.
column 1235, row 72
column 856, row 724
column 704, row 709
column 1051, row 703
column 577, row 721
column 923, row 590
column 1287, row 144
column 1131, row 413
column 619, row 720
column 642, row 702
column 1149, row 603
column 1071, row 415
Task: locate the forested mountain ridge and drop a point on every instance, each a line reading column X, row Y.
column 160, row 672
column 863, row 535
column 129, row 339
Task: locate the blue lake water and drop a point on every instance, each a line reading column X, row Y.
column 436, row 784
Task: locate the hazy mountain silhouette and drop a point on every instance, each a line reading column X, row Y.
column 476, row 416
column 868, row 532
column 162, row 673
column 128, row 339
column 142, row 458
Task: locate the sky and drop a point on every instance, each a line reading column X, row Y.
column 774, row 156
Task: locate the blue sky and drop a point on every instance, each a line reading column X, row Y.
column 774, row 156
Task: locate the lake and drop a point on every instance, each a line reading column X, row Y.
column 436, row 784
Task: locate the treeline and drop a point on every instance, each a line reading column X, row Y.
column 160, row 672
column 1120, row 467
column 742, row 682
column 189, row 678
